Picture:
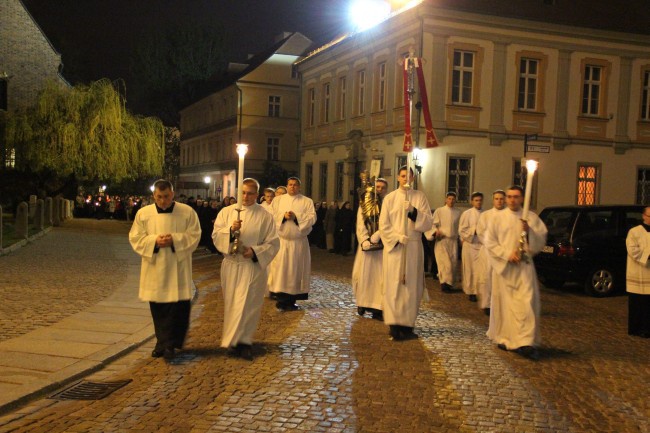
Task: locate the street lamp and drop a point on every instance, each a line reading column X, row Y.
column 207, row 186
column 366, row 13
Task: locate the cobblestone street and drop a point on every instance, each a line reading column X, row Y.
column 325, row 369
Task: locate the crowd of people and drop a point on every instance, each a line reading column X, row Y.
column 265, row 241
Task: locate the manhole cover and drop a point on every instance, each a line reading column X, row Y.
column 85, row 390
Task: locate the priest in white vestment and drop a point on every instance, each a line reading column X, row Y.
column 445, row 232
column 165, row 234
column 367, row 278
column 243, row 275
column 294, row 216
column 405, row 216
column 514, row 318
column 638, row 277
column 472, row 260
column 485, row 277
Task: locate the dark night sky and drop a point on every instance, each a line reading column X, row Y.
column 100, row 34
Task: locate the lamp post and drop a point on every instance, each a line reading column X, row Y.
column 207, row 186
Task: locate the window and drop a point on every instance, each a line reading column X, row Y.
column 591, row 90
column 3, row 95
column 272, row 148
column 400, row 161
column 342, row 99
column 643, row 186
column 645, row 97
column 462, row 77
column 361, row 92
column 528, row 78
column 274, row 106
column 459, row 177
column 326, row 103
column 10, row 158
column 381, row 86
column 309, row 179
column 312, row 106
column 322, row 187
column 587, row 183
column 339, row 180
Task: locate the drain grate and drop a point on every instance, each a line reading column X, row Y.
column 85, row 390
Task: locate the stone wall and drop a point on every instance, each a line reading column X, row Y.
column 26, row 55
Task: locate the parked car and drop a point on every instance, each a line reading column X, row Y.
column 586, row 245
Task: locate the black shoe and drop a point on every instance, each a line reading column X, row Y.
column 157, row 353
column 529, row 352
column 473, row 298
column 273, row 296
column 169, row 353
column 394, row 332
column 409, row 335
column 245, row 351
column 502, row 346
column 486, row 311
column 378, row 315
column 361, row 311
column 446, row 288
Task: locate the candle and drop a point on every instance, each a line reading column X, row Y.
column 531, row 166
column 241, row 151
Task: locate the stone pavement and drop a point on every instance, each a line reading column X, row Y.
column 325, row 369
column 69, row 306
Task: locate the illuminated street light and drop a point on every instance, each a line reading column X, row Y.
column 207, row 186
column 367, row 13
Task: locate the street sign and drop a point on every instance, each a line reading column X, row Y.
column 538, row 148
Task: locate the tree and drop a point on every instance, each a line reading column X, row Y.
column 85, row 132
column 274, row 175
column 171, row 66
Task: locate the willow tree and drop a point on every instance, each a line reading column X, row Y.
column 85, row 131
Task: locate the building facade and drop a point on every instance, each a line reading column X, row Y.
column 27, row 58
column 579, row 97
column 259, row 106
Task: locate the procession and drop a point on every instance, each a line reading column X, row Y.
column 266, row 252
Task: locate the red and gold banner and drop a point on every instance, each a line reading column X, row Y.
column 431, row 139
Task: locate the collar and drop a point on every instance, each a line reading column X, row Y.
column 170, row 209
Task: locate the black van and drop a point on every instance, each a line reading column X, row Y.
column 586, row 245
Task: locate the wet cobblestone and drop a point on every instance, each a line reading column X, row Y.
column 44, row 282
column 325, row 369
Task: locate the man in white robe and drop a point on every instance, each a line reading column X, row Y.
column 294, row 216
column 405, row 215
column 243, row 275
column 367, row 278
column 445, row 232
column 267, row 202
column 472, row 260
column 638, row 277
column 165, row 234
column 485, row 277
column 514, row 319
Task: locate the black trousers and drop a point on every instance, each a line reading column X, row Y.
column 638, row 322
column 171, row 321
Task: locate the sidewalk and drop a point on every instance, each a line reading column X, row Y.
column 70, row 305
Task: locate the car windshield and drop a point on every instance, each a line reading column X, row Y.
column 559, row 224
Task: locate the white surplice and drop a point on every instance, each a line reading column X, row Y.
column 166, row 275
column 244, row 281
column 485, row 276
column 471, row 253
column 445, row 220
column 367, row 279
column 638, row 264
column 292, row 267
column 402, row 301
column 267, row 207
column 514, row 318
